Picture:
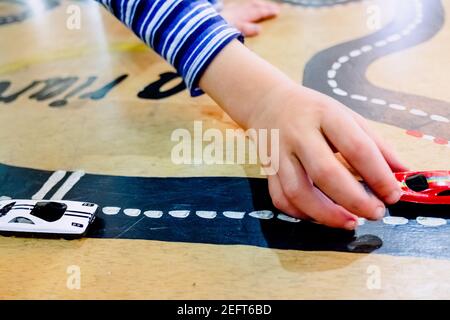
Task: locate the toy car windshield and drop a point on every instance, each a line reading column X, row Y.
column 49, row 211
column 6, row 208
column 417, row 182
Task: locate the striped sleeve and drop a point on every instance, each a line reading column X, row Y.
column 187, row 33
column 217, row 4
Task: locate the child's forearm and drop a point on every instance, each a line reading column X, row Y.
column 240, row 82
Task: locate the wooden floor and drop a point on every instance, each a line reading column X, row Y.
column 123, row 130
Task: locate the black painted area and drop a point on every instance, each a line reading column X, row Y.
column 103, row 91
column 221, row 194
column 413, row 210
column 54, row 87
column 154, row 90
column 351, row 76
column 61, row 102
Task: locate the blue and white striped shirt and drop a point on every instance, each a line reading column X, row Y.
column 187, row 33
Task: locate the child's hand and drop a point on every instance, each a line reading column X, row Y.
column 311, row 182
column 245, row 15
column 312, row 127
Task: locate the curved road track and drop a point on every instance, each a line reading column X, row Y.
column 339, row 72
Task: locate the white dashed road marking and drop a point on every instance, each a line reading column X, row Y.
column 261, row 214
column 179, row 213
column 431, row 222
column 206, row 214
column 111, row 210
column 234, row 214
column 153, row 213
column 132, row 212
column 395, row 221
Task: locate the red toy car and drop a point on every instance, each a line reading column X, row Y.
column 425, row 193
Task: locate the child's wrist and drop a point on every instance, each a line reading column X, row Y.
column 244, row 85
column 268, row 101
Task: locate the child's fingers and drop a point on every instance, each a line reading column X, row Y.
column 362, row 154
column 264, row 10
column 388, row 152
column 280, row 201
column 334, row 179
column 300, row 192
column 266, row 4
column 250, row 29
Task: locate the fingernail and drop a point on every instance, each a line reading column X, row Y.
column 393, row 197
column 350, row 225
column 380, row 212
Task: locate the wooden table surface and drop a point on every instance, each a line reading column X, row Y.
column 124, row 131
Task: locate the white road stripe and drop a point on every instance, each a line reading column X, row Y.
column 111, row 210
column 397, row 107
column 336, row 66
column 380, row 43
column 394, row 37
column 438, row 118
column 378, row 101
column 56, row 177
column 261, row 214
column 343, row 59
column 287, row 218
column 355, row 53
column 331, row 74
column 206, row 214
column 153, row 213
column 340, row 92
column 332, row 83
column 179, row 213
column 418, row 112
column 67, row 185
column 234, row 214
column 132, row 212
column 358, row 97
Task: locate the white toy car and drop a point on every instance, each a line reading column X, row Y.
column 69, row 219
